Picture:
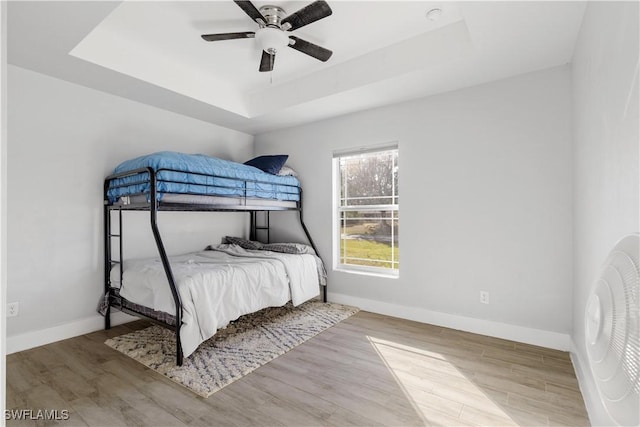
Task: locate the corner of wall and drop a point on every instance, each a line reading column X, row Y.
column 598, row 415
column 605, row 161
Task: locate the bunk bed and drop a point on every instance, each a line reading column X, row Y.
column 170, row 181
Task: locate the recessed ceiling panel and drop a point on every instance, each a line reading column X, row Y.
column 383, row 52
column 160, row 43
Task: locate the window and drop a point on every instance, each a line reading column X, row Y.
column 366, row 195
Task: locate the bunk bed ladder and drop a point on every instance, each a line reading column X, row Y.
column 255, row 228
column 109, row 262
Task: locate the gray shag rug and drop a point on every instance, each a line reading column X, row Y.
column 243, row 346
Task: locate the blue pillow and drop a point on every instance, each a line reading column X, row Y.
column 268, row 164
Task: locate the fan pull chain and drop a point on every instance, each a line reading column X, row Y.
column 271, row 60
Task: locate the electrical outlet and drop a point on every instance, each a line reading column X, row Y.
column 12, row 309
column 484, row 297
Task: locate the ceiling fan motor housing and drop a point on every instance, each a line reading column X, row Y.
column 272, row 15
column 271, row 37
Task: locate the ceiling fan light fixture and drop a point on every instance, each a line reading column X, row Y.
column 271, row 39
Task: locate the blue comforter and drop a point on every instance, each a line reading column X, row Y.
column 204, row 175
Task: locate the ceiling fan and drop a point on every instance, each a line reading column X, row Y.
column 274, row 27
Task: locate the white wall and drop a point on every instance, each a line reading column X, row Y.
column 3, row 201
column 63, row 139
column 606, row 175
column 485, row 204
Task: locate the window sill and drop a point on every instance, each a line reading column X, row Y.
column 368, row 273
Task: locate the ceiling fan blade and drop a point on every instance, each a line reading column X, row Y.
column 228, row 36
column 250, row 10
column 267, row 61
column 310, row 49
column 311, row 13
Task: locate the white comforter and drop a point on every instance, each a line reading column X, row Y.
column 218, row 286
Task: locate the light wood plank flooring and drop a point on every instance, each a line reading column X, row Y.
column 369, row 370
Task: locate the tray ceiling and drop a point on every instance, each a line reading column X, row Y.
column 384, row 52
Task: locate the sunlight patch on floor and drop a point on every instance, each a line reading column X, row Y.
column 438, row 391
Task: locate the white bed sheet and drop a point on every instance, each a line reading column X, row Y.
column 218, row 286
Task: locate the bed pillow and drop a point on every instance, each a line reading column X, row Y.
column 287, row 171
column 288, row 248
column 268, row 164
column 244, row 243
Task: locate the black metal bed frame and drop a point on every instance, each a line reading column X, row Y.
column 153, row 206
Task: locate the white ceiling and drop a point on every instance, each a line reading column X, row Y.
column 383, row 52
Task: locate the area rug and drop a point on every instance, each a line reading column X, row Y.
column 240, row 348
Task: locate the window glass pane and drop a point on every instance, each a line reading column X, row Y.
column 369, row 179
column 369, row 238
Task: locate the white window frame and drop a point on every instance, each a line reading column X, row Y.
column 338, row 209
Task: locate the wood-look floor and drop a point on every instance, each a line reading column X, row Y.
column 369, row 370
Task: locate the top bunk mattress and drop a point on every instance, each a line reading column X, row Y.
column 198, row 174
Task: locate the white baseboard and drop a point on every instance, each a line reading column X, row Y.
column 521, row 334
column 33, row 339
